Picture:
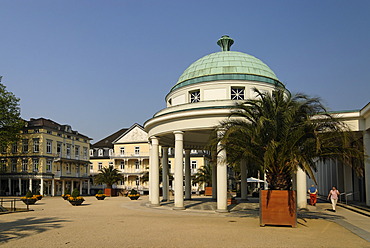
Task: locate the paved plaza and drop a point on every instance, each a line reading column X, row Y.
column 120, row 222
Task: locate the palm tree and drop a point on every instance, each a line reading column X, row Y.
column 280, row 132
column 108, row 176
column 204, row 175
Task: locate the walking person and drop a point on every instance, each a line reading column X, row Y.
column 313, row 195
column 333, row 194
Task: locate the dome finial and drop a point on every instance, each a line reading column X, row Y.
column 225, row 43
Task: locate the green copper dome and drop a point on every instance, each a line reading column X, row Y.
column 227, row 65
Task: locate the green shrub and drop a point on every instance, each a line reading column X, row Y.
column 100, row 192
column 29, row 194
column 133, row 192
column 75, row 193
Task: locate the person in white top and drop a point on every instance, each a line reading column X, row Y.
column 333, row 194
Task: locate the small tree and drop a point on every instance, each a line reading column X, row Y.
column 204, row 175
column 108, row 176
column 75, row 193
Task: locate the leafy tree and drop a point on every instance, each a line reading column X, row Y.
column 204, row 175
column 280, row 132
column 108, row 176
column 10, row 121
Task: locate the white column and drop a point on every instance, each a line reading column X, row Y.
column 88, row 187
column 30, row 186
column 155, row 171
column 214, row 174
column 301, row 189
column 10, row 185
column 243, row 179
column 187, row 175
column 179, row 172
column 81, row 182
column 42, row 186
column 20, row 186
column 221, row 180
column 63, row 187
column 150, row 172
column 367, row 166
column 165, row 178
column 53, row 187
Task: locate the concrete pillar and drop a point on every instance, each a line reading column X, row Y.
column 150, row 172
column 165, row 177
column 221, row 180
column 187, row 175
column 81, row 182
column 10, row 186
column 179, row 172
column 243, row 179
column 155, row 172
column 367, row 166
column 20, row 186
column 63, row 187
column 30, row 185
column 88, row 187
column 301, row 189
column 41, row 186
column 53, row 187
column 214, row 174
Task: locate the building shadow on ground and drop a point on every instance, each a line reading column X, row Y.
column 27, row 226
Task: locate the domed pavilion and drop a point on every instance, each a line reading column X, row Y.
column 202, row 98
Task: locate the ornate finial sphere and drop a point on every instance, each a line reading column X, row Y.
column 225, row 43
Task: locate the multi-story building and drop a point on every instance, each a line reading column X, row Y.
column 128, row 151
column 49, row 158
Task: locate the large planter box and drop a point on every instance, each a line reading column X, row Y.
column 278, row 207
column 110, row 192
column 208, row 191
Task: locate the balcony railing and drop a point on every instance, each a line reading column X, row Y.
column 130, row 155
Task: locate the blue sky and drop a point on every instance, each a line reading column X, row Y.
column 104, row 65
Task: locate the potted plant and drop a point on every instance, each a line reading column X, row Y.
column 29, row 198
column 75, row 199
column 100, row 195
column 279, row 133
column 108, row 176
column 38, row 196
column 134, row 195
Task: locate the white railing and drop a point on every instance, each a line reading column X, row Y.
column 126, row 155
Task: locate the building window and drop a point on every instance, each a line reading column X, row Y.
column 77, row 152
column 85, row 153
column 91, row 167
column 100, row 166
column 100, row 152
column 122, row 151
column 25, row 165
column 91, row 152
column 195, row 96
column 3, row 165
column 35, row 164
column 14, row 165
column 68, row 151
column 169, row 165
column 49, row 132
column 25, row 145
column 36, row 131
column 59, row 149
column 137, row 181
column 110, row 152
column 36, row 145
column 193, row 164
column 59, row 135
column 48, row 165
column 137, row 165
column 68, row 169
column 237, row 93
column 122, row 165
column 137, row 150
column 14, row 148
column 49, row 146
